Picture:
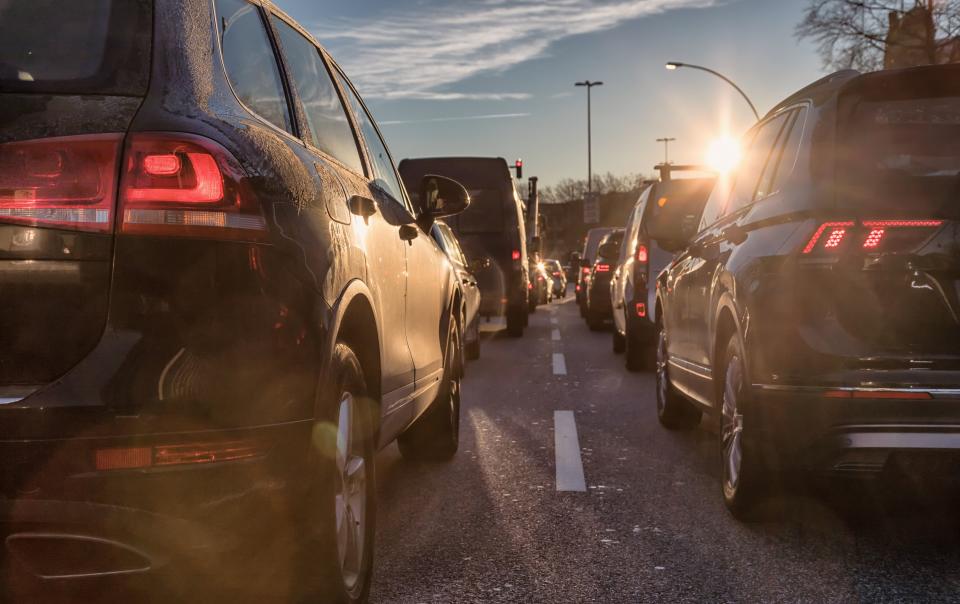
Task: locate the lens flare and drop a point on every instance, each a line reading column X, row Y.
column 724, row 154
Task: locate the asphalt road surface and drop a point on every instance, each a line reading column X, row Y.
column 492, row 526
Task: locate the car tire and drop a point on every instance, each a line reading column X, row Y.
column 619, row 341
column 673, row 410
column 342, row 486
column 473, row 348
column 638, row 356
column 515, row 323
column 745, row 480
column 435, row 435
column 594, row 320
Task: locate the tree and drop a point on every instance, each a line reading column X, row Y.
column 874, row 34
column 570, row 189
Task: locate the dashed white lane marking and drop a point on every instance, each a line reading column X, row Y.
column 553, row 321
column 555, row 335
column 559, row 364
column 567, row 447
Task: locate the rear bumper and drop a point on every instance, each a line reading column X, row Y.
column 64, row 532
column 801, row 426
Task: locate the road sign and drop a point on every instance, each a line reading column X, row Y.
column 591, row 208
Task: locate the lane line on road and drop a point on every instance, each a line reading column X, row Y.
column 559, row 364
column 567, row 447
column 553, row 321
column 555, row 335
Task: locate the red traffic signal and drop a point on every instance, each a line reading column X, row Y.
column 518, row 166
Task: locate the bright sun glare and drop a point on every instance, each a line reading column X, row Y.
column 723, row 154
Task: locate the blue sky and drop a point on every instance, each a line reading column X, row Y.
column 495, row 77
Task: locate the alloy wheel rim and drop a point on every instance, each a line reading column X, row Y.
column 661, row 371
column 731, row 428
column 351, row 493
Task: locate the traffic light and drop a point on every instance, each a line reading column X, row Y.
column 519, row 168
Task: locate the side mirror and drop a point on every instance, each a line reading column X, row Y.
column 442, row 196
column 609, row 251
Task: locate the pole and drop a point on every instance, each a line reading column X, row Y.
column 588, row 84
column 589, row 147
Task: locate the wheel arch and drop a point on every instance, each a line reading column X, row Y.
column 355, row 322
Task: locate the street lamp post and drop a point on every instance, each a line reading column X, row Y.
column 588, row 84
column 666, row 148
column 674, row 65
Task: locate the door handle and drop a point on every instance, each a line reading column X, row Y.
column 408, row 233
column 363, row 207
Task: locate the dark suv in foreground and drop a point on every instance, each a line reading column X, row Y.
column 211, row 320
column 816, row 315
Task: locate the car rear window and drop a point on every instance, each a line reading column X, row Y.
column 485, row 214
column 902, row 156
column 81, row 47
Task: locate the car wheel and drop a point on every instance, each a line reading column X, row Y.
column 673, row 410
column 744, row 477
column 337, row 554
column 435, row 435
column 515, row 323
column 473, row 347
column 619, row 341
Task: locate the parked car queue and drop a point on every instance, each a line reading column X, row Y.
column 807, row 304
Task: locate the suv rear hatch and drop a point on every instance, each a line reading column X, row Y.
column 891, row 247
column 72, row 76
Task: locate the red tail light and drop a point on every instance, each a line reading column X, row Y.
column 643, row 255
column 831, row 235
column 126, row 458
column 641, row 309
column 603, row 268
column 185, row 185
column 586, row 270
column 515, row 255
column 68, row 182
column 835, row 233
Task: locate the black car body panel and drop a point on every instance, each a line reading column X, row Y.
column 183, row 341
column 587, row 257
column 598, row 303
column 642, row 258
column 468, row 288
column 836, row 262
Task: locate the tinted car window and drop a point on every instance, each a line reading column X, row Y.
column 326, row 117
column 383, row 172
column 89, row 47
column 485, row 214
column 902, row 155
column 786, row 145
column 250, row 62
column 748, row 175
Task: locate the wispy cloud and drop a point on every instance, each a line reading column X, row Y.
column 421, row 52
column 489, row 116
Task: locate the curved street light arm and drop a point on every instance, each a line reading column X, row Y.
column 725, row 79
